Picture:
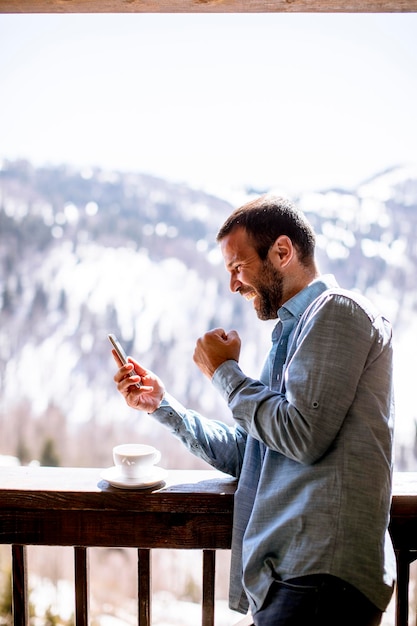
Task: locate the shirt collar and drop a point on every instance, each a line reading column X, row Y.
column 296, row 306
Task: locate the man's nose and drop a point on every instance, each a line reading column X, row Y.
column 235, row 284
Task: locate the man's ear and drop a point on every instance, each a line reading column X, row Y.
column 282, row 251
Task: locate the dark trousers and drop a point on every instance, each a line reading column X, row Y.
column 318, row 600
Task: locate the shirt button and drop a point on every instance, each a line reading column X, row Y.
column 315, row 404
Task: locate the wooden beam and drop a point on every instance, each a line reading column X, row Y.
column 208, row 6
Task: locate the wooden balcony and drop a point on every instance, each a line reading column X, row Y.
column 192, row 510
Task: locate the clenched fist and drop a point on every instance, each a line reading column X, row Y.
column 214, row 348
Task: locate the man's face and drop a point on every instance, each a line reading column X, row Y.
column 256, row 280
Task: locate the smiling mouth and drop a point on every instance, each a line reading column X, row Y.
column 248, row 295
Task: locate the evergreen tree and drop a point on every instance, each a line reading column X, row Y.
column 49, row 455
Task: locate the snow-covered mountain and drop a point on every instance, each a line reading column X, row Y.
column 85, row 253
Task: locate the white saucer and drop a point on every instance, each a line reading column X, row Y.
column 113, row 476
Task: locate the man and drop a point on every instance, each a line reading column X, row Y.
column 312, row 441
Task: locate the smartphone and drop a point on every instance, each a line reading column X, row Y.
column 121, row 353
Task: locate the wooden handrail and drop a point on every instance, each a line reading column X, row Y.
column 207, row 6
column 61, row 506
column 192, row 510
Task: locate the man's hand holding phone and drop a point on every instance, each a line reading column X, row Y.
column 141, row 388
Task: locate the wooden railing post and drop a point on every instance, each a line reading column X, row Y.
column 20, row 586
column 209, row 576
column 402, row 604
column 144, row 587
column 81, row 586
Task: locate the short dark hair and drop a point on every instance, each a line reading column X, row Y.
column 268, row 217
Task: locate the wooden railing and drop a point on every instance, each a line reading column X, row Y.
column 192, row 510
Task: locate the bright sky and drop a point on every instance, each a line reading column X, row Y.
column 290, row 101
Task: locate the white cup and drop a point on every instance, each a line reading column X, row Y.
column 135, row 459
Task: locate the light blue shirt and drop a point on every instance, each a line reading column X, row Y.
column 311, row 447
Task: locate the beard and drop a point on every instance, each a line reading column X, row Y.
column 270, row 292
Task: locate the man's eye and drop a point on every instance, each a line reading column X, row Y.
column 238, row 268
